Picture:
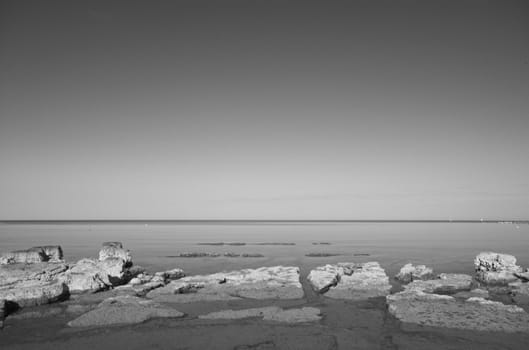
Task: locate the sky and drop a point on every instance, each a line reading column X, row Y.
column 264, row 109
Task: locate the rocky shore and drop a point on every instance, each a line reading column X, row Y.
column 110, row 290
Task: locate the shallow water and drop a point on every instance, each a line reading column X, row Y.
column 447, row 247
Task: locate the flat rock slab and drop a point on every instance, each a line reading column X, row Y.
column 43, row 272
column 277, row 282
column 34, row 292
column 352, row 281
column 123, row 310
column 445, row 311
column 271, row 313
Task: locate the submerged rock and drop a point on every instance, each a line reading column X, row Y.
column 33, row 255
column 495, row 268
column 520, row 292
column 123, row 310
column 354, row 281
column 409, row 273
column 269, row 313
column 276, row 282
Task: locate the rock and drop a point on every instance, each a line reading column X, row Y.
column 2, row 312
column 53, row 253
column 28, row 256
column 44, row 272
column 113, row 250
column 321, row 255
column 33, row 255
column 123, row 310
column 444, row 283
column 194, row 255
column 34, row 292
column 409, row 273
column 524, row 276
column 445, row 311
column 354, row 281
column 495, row 268
column 479, row 293
column 231, row 255
column 170, row 275
column 270, row 313
column 419, row 303
column 276, row 282
column 32, row 284
column 252, row 255
column 89, row 275
column 520, row 292
column 135, row 281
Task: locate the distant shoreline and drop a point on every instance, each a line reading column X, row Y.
column 248, row 222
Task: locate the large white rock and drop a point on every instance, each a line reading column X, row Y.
column 276, row 282
column 124, row 310
column 354, row 281
column 89, row 275
column 409, row 273
column 496, row 268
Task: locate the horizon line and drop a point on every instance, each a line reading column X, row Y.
column 205, row 221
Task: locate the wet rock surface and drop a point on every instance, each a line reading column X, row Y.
column 353, row 281
column 270, row 313
column 124, row 310
column 409, row 273
column 276, row 282
column 420, row 303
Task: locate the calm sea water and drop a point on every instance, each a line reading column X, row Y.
column 448, row 247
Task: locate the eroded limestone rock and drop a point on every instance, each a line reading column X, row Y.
column 276, row 282
column 496, row 268
column 33, row 255
column 353, row 281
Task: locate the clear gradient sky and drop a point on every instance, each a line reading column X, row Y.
column 264, row 109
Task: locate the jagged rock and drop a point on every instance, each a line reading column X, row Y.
column 409, row 273
column 495, row 268
column 44, row 272
column 354, row 281
column 445, row 311
column 276, row 282
column 112, row 250
column 270, row 313
column 88, row 275
column 123, row 310
column 34, row 292
column 53, row 253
